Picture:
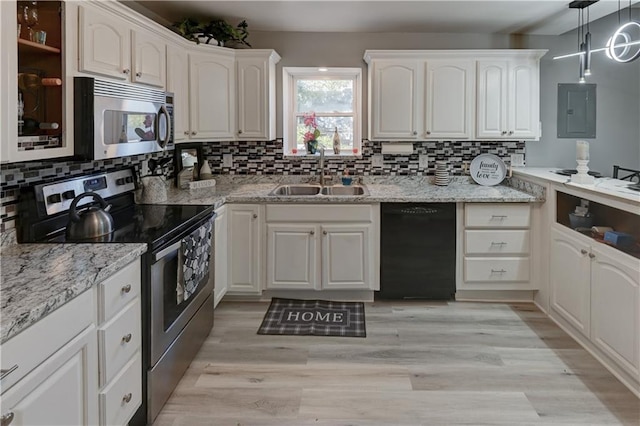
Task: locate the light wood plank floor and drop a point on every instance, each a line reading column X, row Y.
column 423, row 363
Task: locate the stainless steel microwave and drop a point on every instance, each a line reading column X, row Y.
column 114, row 119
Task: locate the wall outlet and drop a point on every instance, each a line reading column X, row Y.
column 423, row 161
column 227, row 160
column 517, row 160
column 144, row 168
column 377, row 160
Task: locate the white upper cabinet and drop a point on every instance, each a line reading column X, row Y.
column 149, row 59
column 449, row 99
column 508, row 98
column 393, row 99
column 453, row 94
column 256, row 81
column 178, row 84
column 110, row 46
column 212, row 95
column 105, row 44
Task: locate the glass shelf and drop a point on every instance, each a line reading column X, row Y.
column 26, row 46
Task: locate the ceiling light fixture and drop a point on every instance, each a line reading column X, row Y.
column 623, row 46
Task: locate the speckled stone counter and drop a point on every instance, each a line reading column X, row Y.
column 384, row 189
column 39, row 278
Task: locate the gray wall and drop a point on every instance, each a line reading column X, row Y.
column 618, row 85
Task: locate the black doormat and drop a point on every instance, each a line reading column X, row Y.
column 314, row 317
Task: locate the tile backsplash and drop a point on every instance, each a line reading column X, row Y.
column 261, row 158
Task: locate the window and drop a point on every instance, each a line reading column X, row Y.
column 334, row 96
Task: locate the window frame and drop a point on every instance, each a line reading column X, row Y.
column 290, row 75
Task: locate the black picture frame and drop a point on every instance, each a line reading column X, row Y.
column 179, row 149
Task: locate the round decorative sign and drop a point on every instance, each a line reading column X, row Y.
column 488, row 169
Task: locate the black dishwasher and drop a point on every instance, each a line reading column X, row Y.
column 418, row 251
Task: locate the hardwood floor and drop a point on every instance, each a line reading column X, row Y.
column 422, row 363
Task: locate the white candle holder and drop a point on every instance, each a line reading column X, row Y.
column 583, row 175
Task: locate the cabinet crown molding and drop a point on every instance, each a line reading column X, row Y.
column 370, row 55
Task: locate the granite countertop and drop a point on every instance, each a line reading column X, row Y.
column 39, row 278
column 36, row 279
column 256, row 189
column 605, row 186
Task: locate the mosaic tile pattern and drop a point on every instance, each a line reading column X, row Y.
column 255, row 158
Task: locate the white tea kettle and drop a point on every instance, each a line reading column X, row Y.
column 92, row 222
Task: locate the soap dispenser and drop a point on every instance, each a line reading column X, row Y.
column 336, row 142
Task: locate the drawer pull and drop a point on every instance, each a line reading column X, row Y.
column 126, row 338
column 126, row 289
column 498, row 271
column 502, row 243
column 583, row 251
column 498, row 216
column 5, row 373
column 127, row 398
column 6, row 419
column 592, row 256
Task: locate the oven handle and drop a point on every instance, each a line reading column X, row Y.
column 162, row 253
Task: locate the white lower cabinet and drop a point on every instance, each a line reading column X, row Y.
column 119, row 346
column 570, row 279
column 220, row 255
column 496, row 252
column 595, row 291
column 53, row 387
column 244, row 248
column 324, row 247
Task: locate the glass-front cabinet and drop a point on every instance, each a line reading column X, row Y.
column 33, row 81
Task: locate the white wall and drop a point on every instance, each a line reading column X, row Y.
column 618, row 103
column 618, row 91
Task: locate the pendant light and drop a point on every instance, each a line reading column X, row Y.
column 627, row 37
column 623, row 46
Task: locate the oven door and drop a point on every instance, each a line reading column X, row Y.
column 181, row 280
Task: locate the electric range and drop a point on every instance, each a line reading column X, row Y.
column 173, row 328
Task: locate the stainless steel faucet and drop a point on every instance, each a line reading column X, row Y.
column 321, row 166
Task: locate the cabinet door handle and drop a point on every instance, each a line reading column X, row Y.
column 126, row 71
column 498, row 216
column 5, row 373
column 312, row 232
column 194, row 133
column 239, row 132
column 583, row 251
column 414, row 133
column 428, row 132
column 510, row 132
column 127, row 398
column 592, row 256
column 255, row 216
column 498, row 271
column 138, row 74
column 186, row 133
column 126, row 289
column 501, row 243
column 6, row 419
column 126, row 338
column 504, row 132
column 324, row 232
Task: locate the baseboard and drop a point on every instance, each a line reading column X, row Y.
column 495, row 295
column 338, row 295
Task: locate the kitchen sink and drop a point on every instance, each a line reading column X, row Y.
column 296, row 190
column 302, row 190
column 345, row 190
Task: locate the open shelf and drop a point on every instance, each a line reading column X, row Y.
column 603, row 215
